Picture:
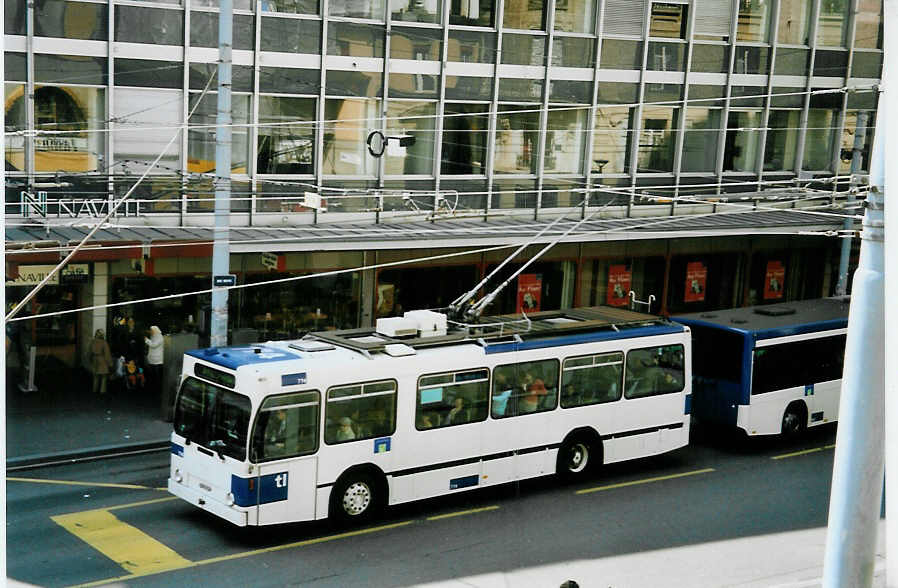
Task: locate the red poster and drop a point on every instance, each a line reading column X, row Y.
column 530, row 288
column 696, row 278
column 618, row 286
column 774, row 280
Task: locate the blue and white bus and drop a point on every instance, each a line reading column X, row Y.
column 769, row 369
column 343, row 423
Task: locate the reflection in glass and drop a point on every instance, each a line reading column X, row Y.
column 468, row 88
column 348, row 122
column 668, row 20
column 472, row 47
column 849, row 135
column 78, row 69
column 565, row 138
column 153, row 114
column 833, row 23
column 201, row 141
column 157, row 26
column 740, row 151
column 15, row 121
column 524, row 14
column 866, row 64
column 289, row 80
column 794, row 20
column 574, row 52
column 710, row 58
column 576, row 16
column 416, row 10
column 149, row 73
column 471, row 13
column 831, row 63
column 753, row 24
column 204, row 30
column 791, row 62
column 355, row 40
column 515, row 89
column 666, row 56
column 291, row 6
column 290, row 35
column 14, row 16
column 70, row 20
column 416, row 43
column 570, row 91
column 354, row 83
column 416, row 158
column 413, row 86
column 700, row 140
column 819, row 139
column 286, row 148
column 517, row 136
column 611, row 139
column 868, row 23
column 782, row 140
column 464, row 138
column 621, row 54
column 657, row 139
column 373, row 9
column 751, row 60
column 523, row 49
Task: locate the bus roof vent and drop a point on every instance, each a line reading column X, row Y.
column 311, row 345
column 775, row 310
column 399, row 350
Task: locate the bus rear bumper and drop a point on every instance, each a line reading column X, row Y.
column 228, row 513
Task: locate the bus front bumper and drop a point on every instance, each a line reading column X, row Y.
column 228, row 513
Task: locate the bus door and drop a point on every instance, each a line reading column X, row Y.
column 286, row 490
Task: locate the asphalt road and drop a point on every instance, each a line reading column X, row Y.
column 111, row 522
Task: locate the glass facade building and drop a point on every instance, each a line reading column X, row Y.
column 511, row 103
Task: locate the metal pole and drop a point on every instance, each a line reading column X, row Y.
column 860, row 137
column 856, row 496
column 221, row 250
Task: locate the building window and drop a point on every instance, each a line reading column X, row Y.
column 657, row 139
column 754, row 21
column 819, row 139
column 833, row 23
column 565, row 138
column 517, row 138
column 849, row 134
column 373, row 9
column 464, row 138
column 201, row 140
column 524, row 14
column 668, row 20
column 793, row 22
column 146, row 109
column 286, row 148
column 291, row 6
column 472, row 47
column 523, row 49
column 700, row 141
column 782, row 140
column 666, row 56
column 868, row 23
column 70, row 20
column 416, row 10
column 350, row 121
column 157, row 26
column 576, row 16
column 290, row 35
column 471, row 13
column 414, row 120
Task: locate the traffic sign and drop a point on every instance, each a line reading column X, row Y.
column 224, row 281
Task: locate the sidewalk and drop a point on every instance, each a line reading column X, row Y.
column 63, row 420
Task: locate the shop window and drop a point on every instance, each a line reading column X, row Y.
column 471, row 12
column 414, row 119
column 575, row 16
column 668, row 20
column 754, row 21
column 290, row 148
column 464, row 138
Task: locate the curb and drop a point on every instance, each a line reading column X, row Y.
column 81, row 455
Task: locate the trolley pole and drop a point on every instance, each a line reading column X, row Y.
column 221, row 248
column 860, row 137
column 856, row 496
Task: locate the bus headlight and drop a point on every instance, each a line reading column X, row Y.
column 229, row 499
column 178, row 477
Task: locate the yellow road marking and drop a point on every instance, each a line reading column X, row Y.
column 805, row 452
column 644, row 481
column 141, row 503
column 75, row 483
column 127, row 546
column 461, row 513
column 190, row 564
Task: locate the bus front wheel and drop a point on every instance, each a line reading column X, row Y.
column 355, row 498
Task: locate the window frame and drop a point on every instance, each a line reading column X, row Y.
column 593, row 365
column 628, row 394
column 515, row 395
column 328, row 401
column 251, row 442
column 454, row 373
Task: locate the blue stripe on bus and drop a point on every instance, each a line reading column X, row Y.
column 234, row 357
column 574, row 339
column 259, row 490
column 244, row 491
column 177, row 449
column 688, row 408
column 465, row 482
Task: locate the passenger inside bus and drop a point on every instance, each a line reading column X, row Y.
column 501, row 394
column 345, row 432
column 458, row 414
column 534, row 390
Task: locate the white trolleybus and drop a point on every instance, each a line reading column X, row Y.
column 343, row 423
column 769, row 369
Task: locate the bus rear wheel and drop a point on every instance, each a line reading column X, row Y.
column 794, row 420
column 577, row 458
column 356, row 498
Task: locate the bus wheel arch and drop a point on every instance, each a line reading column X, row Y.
column 795, row 419
column 580, row 454
column 359, row 494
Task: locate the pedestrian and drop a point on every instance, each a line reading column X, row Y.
column 100, row 361
column 155, row 344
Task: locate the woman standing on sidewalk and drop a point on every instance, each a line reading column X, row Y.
column 100, row 361
column 155, row 344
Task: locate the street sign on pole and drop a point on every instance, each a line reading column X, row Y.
column 224, row 281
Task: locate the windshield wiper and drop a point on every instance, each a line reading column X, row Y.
column 217, row 445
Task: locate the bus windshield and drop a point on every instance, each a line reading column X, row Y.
column 213, row 417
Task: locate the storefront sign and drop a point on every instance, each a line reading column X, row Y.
column 39, row 204
column 696, row 278
column 619, row 278
column 273, row 261
column 774, row 280
column 31, row 275
column 530, row 288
